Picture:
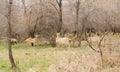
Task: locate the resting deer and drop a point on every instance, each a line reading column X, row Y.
column 63, row 40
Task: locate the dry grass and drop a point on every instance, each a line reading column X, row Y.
column 48, row 59
column 92, row 62
column 82, row 64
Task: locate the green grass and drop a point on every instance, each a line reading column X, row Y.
column 39, row 58
column 3, row 46
column 5, row 66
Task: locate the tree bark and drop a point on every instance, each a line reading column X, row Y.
column 77, row 15
column 9, row 35
column 77, row 21
column 59, row 2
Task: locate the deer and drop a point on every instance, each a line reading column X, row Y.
column 63, row 40
column 94, row 40
column 31, row 40
column 13, row 41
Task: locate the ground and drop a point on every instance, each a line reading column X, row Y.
column 40, row 58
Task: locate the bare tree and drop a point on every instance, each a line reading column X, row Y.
column 59, row 3
column 9, row 35
column 77, row 21
column 24, row 6
column 77, row 6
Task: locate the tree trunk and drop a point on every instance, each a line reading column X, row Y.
column 9, row 35
column 59, row 2
column 77, row 15
column 77, row 21
column 60, row 18
column 10, row 55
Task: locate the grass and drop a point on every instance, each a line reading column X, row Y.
column 41, row 57
column 38, row 58
column 5, row 66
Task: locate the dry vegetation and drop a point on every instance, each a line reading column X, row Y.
column 48, row 59
column 91, row 62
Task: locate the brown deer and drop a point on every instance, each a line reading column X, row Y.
column 14, row 41
column 31, row 40
column 63, row 40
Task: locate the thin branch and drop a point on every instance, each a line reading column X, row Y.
column 92, row 47
column 57, row 2
column 90, row 44
column 99, row 45
column 54, row 7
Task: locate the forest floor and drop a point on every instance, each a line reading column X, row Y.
column 47, row 59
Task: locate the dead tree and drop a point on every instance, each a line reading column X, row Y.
column 9, row 35
column 99, row 46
